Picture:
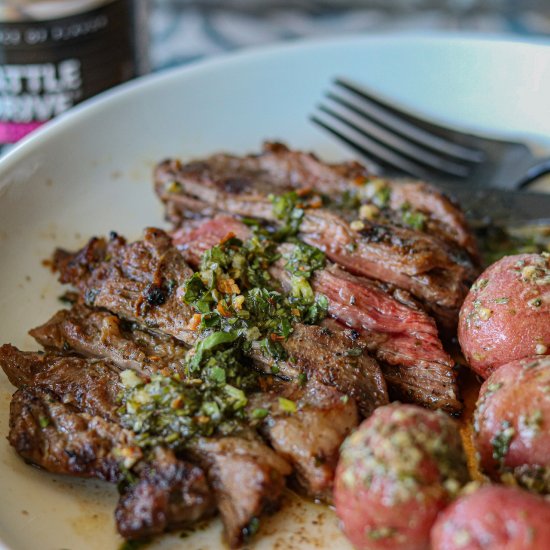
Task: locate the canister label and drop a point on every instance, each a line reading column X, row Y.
column 49, row 65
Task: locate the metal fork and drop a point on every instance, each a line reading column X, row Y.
column 398, row 141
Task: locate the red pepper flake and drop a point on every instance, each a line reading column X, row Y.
column 304, row 191
column 228, row 237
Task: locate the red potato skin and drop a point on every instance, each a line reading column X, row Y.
column 389, row 484
column 494, row 518
column 512, row 419
column 506, row 315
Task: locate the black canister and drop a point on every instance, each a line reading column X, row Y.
column 56, row 53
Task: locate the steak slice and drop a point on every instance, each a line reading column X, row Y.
column 89, row 385
column 247, row 479
column 81, row 383
column 101, row 269
column 63, row 440
column 401, row 335
column 309, row 438
column 423, row 264
column 332, row 355
column 169, row 494
column 99, row 333
column 137, row 281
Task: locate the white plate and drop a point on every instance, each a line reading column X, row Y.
column 90, row 172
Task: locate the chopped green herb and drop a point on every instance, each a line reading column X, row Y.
column 286, row 209
column 502, row 440
column 413, row 218
column 259, row 414
column 382, row 196
column 238, row 308
column 251, row 529
column 304, row 260
column 209, row 343
column 44, row 421
column 286, row 405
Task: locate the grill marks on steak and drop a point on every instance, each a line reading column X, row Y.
column 88, row 385
column 61, row 439
column 399, row 333
column 330, row 355
column 308, row 440
column 168, row 494
column 137, row 281
column 98, row 269
column 99, row 333
column 426, row 265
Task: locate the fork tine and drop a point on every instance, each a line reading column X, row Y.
column 408, row 127
column 370, row 148
column 389, row 138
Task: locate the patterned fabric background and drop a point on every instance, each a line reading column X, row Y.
column 185, row 30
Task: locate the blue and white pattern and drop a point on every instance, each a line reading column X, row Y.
column 186, row 30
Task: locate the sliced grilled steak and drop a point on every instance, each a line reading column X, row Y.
column 137, row 281
column 98, row 333
column 65, row 421
column 400, row 334
column 62, row 440
column 89, row 385
column 309, row 437
column 322, row 410
column 247, row 479
column 309, row 440
column 331, row 355
column 436, row 388
column 423, row 264
column 278, row 169
column 107, row 270
column 169, row 494
column 297, row 169
column 81, row 383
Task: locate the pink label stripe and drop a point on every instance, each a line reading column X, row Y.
column 11, row 132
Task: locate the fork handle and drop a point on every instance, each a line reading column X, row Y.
column 534, row 173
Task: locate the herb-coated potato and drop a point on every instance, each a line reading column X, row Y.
column 506, row 315
column 494, row 518
column 396, row 472
column 512, row 423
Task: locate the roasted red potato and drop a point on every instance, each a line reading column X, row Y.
column 494, row 518
column 396, row 472
column 512, row 421
column 506, row 315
